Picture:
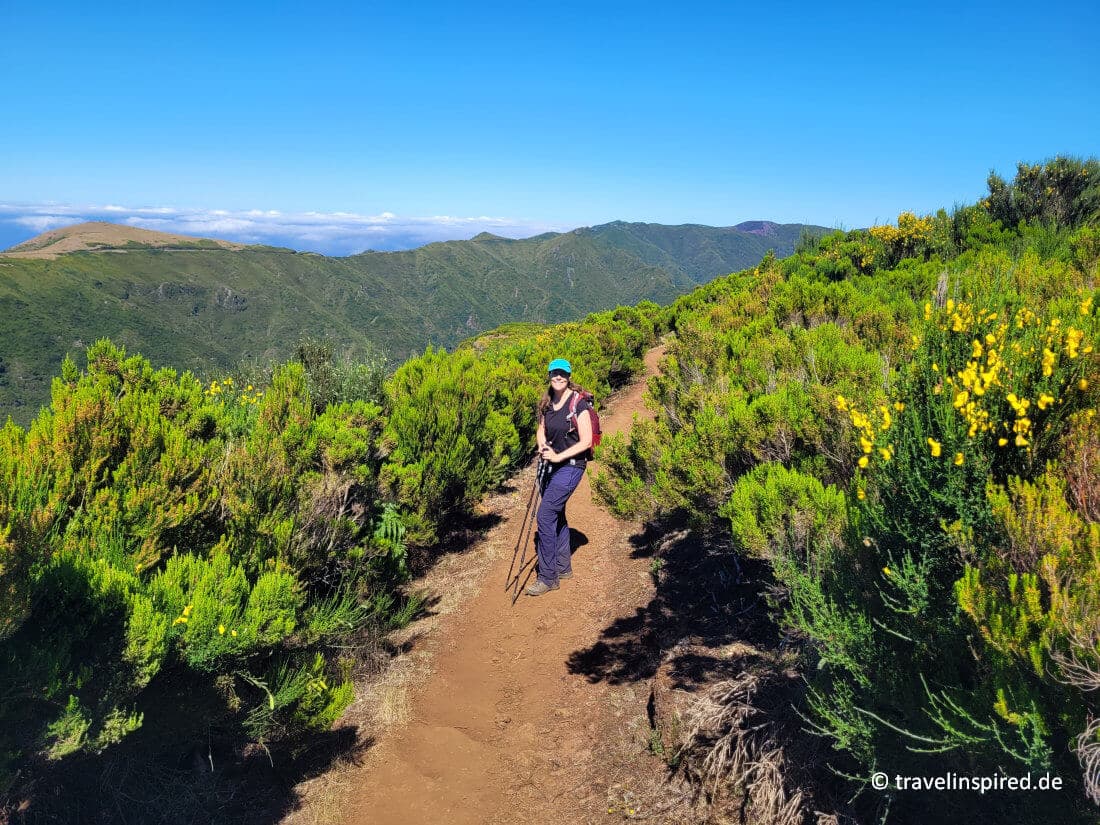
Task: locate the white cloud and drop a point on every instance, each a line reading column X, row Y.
column 333, row 233
column 43, row 223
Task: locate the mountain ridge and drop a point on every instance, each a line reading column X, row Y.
column 101, row 236
column 196, row 304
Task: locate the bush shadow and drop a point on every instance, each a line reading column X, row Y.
column 707, row 598
column 174, row 769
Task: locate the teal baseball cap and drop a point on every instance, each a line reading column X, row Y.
column 560, row 364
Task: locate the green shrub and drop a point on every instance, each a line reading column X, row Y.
column 1063, row 191
column 776, row 513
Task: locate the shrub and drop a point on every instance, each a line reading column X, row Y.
column 778, row 514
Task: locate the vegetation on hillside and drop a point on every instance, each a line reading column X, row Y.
column 901, row 423
column 158, row 531
column 205, row 309
column 897, row 424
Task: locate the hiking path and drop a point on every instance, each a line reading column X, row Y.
column 494, row 716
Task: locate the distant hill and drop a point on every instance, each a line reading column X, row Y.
column 100, row 235
column 206, row 305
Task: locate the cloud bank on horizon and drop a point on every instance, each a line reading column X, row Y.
column 330, row 233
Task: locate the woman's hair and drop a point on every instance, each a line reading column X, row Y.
column 548, row 396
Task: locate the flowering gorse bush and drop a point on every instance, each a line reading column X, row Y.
column 902, row 422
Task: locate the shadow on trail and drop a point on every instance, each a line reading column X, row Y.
column 170, row 771
column 706, row 599
column 463, row 535
column 524, row 565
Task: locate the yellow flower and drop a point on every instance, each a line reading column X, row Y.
column 233, row 633
column 1086, row 306
column 221, row 630
column 1073, row 341
column 865, row 444
column 1021, row 441
column 976, row 351
column 899, row 406
column 886, row 570
column 959, row 459
column 860, row 494
column 187, row 610
column 886, row 454
column 180, row 620
column 1002, row 442
column 862, row 461
column 962, row 398
column 1044, row 401
column 935, row 447
column 1048, row 361
column 1083, row 384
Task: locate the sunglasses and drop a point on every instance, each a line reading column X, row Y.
column 558, row 374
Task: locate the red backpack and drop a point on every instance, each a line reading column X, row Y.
column 597, row 434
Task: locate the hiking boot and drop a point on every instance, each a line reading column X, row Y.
column 568, row 574
column 540, row 587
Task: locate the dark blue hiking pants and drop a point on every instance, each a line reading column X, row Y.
column 552, row 540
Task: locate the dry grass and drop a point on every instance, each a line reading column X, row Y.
column 737, row 753
column 1088, row 753
column 386, row 701
column 326, row 796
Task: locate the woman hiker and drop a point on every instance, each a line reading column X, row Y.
column 564, row 438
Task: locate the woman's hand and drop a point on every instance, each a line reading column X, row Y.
column 550, row 455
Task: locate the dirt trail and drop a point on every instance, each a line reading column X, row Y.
column 503, row 729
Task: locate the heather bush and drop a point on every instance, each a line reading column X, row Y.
column 1063, row 191
column 781, row 514
column 158, row 525
column 749, row 379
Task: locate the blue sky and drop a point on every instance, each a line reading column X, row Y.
column 388, row 125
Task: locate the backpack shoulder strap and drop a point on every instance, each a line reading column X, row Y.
column 574, row 400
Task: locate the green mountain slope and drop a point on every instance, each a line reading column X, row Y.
column 207, row 307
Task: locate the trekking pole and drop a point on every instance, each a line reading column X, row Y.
column 541, row 473
column 523, row 528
